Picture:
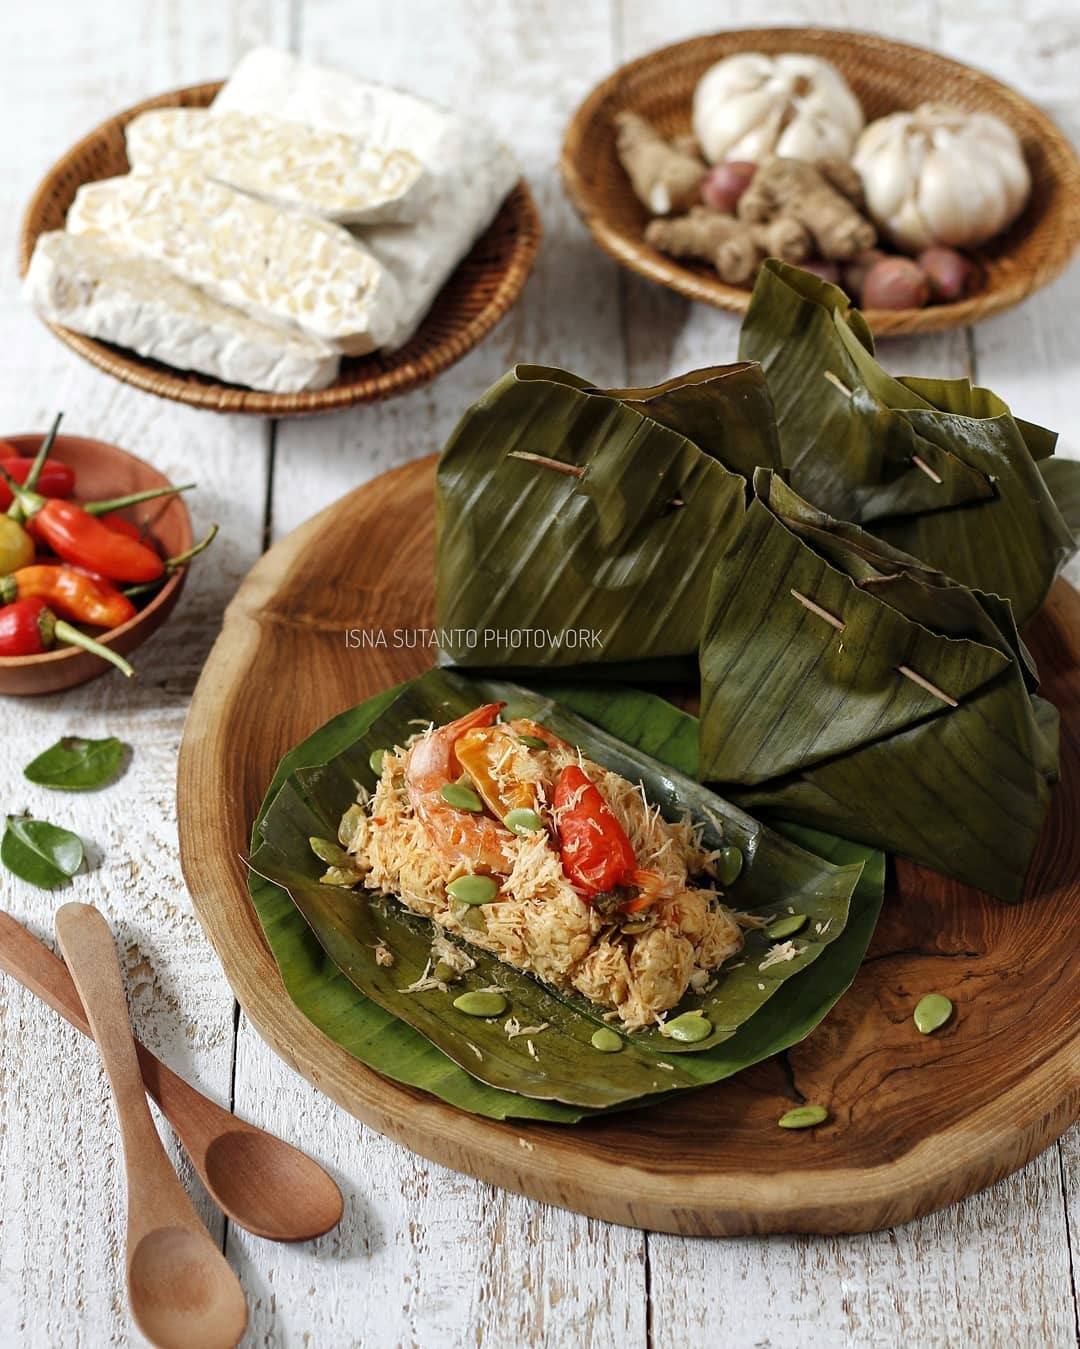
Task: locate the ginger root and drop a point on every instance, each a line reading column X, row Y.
column 734, row 247
column 666, row 177
column 818, row 197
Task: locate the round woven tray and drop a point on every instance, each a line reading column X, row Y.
column 886, row 76
column 480, row 291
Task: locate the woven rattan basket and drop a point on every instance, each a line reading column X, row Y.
column 481, row 290
column 886, row 76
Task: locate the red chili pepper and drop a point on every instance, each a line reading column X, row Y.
column 596, row 854
column 54, row 480
column 29, row 628
column 77, row 536
column 81, row 539
column 70, row 593
column 120, row 524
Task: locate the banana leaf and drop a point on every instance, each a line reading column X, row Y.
column 807, row 713
column 939, row 468
column 1062, row 477
column 604, row 559
column 329, row 967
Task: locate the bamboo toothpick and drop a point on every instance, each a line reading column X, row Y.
column 917, row 678
column 571, row 470
column 835, row 379
column 808, row 603
column 925, row 467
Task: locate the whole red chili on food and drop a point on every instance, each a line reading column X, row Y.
column 30, row 628
column 70, row 593
column 596, row 854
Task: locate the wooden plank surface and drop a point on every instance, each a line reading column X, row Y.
column 426, row 1257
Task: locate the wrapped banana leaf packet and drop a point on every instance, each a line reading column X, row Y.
column 849, row 686
column 578, row 527
column 938, row 467
column 384, row 981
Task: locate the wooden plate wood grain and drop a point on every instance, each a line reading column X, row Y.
column 886, row 77
column 917, row 1122
column 485, row 284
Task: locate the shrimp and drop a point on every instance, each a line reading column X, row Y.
column 472, row 840
column 526, row 726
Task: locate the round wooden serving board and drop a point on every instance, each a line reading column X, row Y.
column 917, row 1122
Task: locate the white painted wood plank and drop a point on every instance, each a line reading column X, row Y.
column 63, row 69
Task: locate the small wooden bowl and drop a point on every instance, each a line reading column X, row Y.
column 886, row 77
column 102, row 471
column 484, row 286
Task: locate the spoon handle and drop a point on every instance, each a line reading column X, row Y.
column 200, row 1123
column 194, row 1116
column 155, row 1195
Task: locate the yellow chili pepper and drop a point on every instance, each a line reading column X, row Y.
column 16, row 546
column 478, row 751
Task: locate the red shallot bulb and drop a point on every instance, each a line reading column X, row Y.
column 950, row 274
column 895, row 283
column 725, row 183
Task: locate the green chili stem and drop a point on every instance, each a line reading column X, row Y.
column 133, row 499
column 24, row 502
column 182, row 559
column 44, row 450
column 64, row 632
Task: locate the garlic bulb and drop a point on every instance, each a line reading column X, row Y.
column 750, row 106
column 940, row 175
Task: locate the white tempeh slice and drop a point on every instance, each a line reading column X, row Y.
column 277, row 266
column 471, row 171
column 84, row 283
column 302, row 167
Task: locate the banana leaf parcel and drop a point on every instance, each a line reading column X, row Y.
column 579, row 526
column 939, row 468
column 846, row 685
column 324, row 937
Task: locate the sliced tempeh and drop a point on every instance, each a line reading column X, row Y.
column 321, row 172
column 278, row 266
column 84, row 283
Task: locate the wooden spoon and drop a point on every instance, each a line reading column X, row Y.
column 181, row 1289
column 262, row 1183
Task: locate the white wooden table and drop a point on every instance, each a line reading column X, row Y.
column 426, row 1257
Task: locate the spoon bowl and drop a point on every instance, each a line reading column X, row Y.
column 268, row 1187
column 182, row 1291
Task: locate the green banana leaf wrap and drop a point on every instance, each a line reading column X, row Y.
column 607, row 562
column 324, row 936
column 811, row 721
column 939, row 468
column 1062, row 478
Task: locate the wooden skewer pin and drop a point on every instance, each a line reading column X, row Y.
column 571, row 470
column 835, row 379
column 919, row 463
column 808, row 603
column 924, row 683
column 905, row 670
column 925, row 468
